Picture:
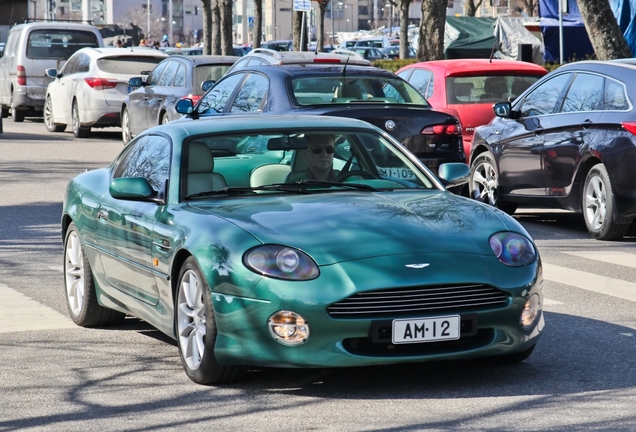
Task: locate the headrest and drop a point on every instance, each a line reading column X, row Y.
column 200, row 158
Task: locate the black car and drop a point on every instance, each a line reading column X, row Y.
column 567, row 142
column 337, row 89
column 152, row 102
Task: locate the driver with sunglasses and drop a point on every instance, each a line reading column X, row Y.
column 319, row 155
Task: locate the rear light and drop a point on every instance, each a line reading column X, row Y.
column 630, row 127
column 443, row 129
column 21, row 75
column 327, row 60
column 100, row 83
column 194, row 98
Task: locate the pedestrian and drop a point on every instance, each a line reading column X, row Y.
column 142, row 43
column 156, row 45
column 165, row 42
column 119, row 43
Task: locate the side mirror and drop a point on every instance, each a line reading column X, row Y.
column 131, row 189
column 184, row 106
column 51, row 73
column 502, row 109
column 136, row 82
column 207, row 85
column 453, row 174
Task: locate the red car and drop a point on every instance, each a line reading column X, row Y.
column 468, row 88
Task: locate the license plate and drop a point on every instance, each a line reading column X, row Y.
column 426, row 329
column 399, row 173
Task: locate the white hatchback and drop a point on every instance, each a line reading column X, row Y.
column 89, row 90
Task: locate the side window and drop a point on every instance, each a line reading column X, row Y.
column 9, row 49
column 216, row 98
column 168, row 74
column 251, row 95
column 422, row 80
column 180, row 77
column 240, row 64
column 154, row 76
column 543, row 99
column 70, row 67
column 615, row 95
column 83, row 63
column 585, row 94
column 148, row 157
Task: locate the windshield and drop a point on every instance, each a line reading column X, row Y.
column 332, row 89
column 486, row 88
column 60, row 44
column 303, row 161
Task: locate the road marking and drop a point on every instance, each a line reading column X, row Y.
column 21, row 313
column 591, row 282
column 610, row 257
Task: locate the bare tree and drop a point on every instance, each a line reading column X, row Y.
column 530, row 6
column 227, row 40
column 207, row 26
column 257, row 30
column 215, row 29
column 603, row 30
column 139, row 17
column 431, row 43
column 299, row 37
column 472, row 6
column 404, row 27
column 320, row 24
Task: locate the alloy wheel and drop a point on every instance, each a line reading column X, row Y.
column 595, row 202
column 191, row 320
column 484, row 183
column 74, row 273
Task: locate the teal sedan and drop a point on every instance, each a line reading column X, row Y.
column 296, row 241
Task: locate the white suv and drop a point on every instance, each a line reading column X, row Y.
column 31, row 48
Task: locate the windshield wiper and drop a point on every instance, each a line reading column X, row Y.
column 299, row 186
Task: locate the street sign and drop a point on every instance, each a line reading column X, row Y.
column 302, row 5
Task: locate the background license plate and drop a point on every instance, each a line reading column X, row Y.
column 425, row 330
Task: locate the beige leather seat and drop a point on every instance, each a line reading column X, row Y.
column 201, row 176
column 269, row 174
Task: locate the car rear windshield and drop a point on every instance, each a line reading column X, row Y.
column 58, row 44
column 128, row 65
column 358, row 89
column 486, row 88
column 212, row 72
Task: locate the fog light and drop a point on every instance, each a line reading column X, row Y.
column 288, row 328
column 531, row 311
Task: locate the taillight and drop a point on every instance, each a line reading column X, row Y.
column 327, row 60
column 100, row 83
column 194, row 98
column 21, row 75
column 443, row 129
column 630, row 127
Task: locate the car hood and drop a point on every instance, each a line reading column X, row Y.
column 343, row 226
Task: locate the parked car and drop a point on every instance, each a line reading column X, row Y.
column 89, row 90
column 266, row 56
column 373, row 42
column 152, row 102
column 328, row 88
column 279, row 45
column 238, row 51
column 31, row 48
column 393, row 52
column 193, row 230
column 367, row 53
column 567, row 142
column 468, row 88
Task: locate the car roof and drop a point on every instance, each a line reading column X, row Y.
column 304, row 57
column 206, row 59
column 55, row 24
column 109, row 51
column 462, row 67
column 314, row 69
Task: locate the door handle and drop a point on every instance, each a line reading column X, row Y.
column 587, row 123
column 102, row 214
column 538, row 131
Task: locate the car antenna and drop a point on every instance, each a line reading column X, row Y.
column 492, row 51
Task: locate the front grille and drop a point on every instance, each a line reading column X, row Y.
column 410, row 301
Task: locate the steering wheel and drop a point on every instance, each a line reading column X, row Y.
column 345, row 175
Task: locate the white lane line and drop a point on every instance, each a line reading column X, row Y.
column 611, row 257
column 549, row 302
column 21, row 313
column 591, row 282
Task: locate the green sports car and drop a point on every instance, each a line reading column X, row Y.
column 296, row 241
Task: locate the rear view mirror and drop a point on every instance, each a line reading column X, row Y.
column 287, row 143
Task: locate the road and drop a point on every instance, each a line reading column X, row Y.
column 55, row 376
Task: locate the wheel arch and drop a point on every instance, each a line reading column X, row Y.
column 581, row 174
column 477, row 151
column 66, row 221
column 177, row 263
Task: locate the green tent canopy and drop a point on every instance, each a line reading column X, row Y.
column 469, row 37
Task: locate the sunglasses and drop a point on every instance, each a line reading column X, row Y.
column 318, row 149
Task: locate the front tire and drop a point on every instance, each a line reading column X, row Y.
column 78, row 130
column 79, row 286
column 196, row 332
column 483, row 184
column 126, row 131
column 48, row 117
column 164, row 119
column 599, row 206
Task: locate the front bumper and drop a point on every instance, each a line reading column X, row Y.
column 243, row 336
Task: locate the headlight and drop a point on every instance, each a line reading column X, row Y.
column 512, row 249
column 530, row 311
column 281, row 262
